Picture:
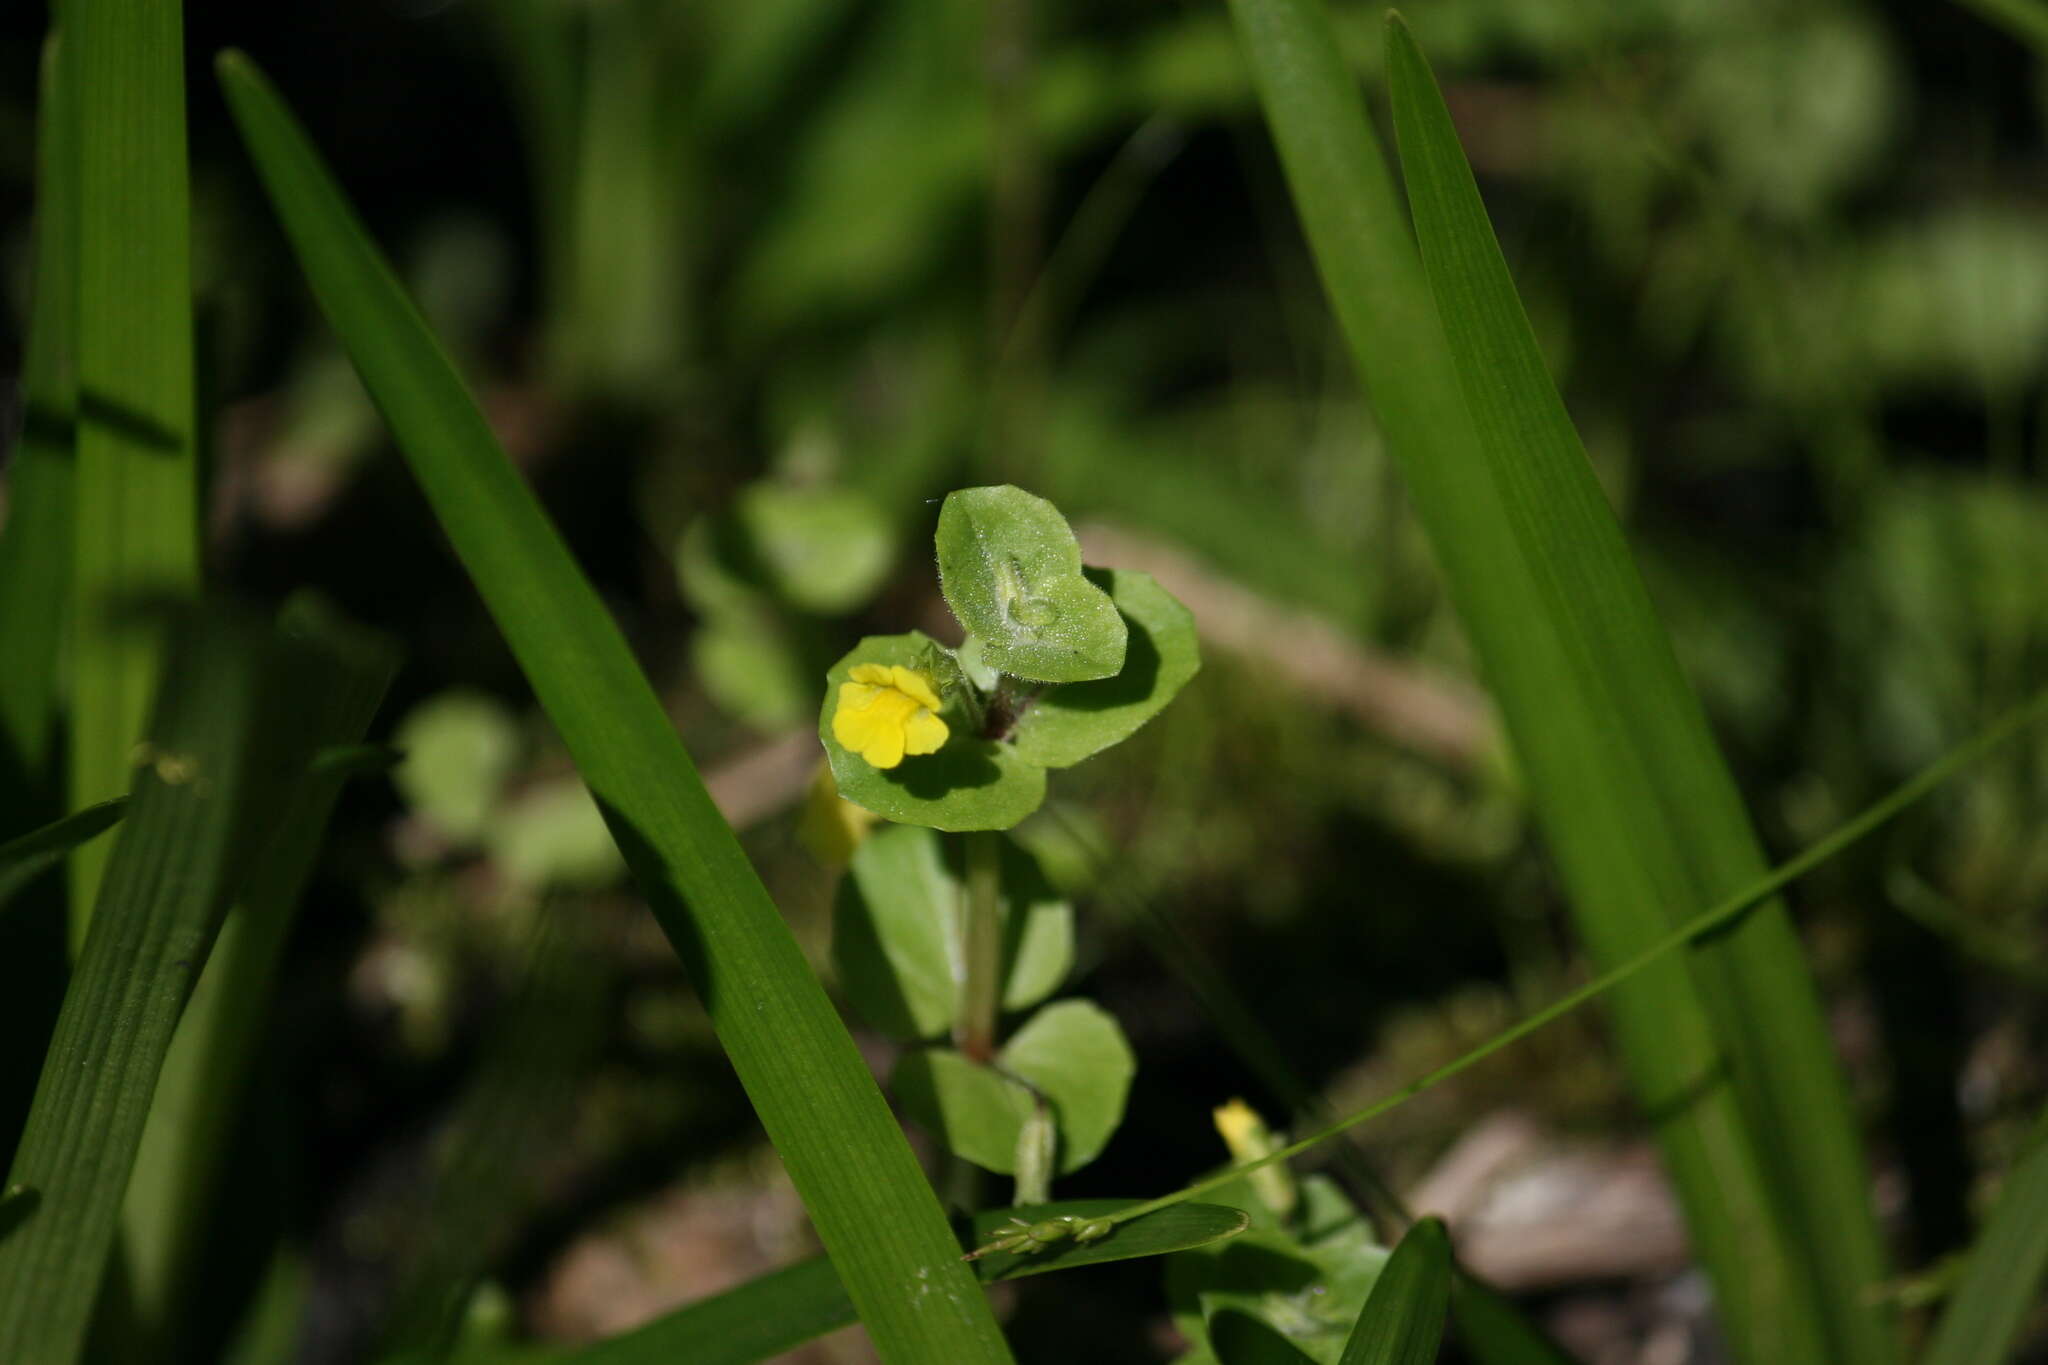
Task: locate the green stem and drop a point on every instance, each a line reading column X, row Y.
column 981, row 949
column 1037, row 1145
column 1719, row 917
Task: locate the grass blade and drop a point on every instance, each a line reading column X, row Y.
column 176, row 1173
column 786, row 1308
column 1712, row 922
column 137, row 532
column 1238, row 1338
column 1494, row 1331
column 225, row 743
column 1179, row 1228
column 1403, row 1321
column 35, row 582
column 1638, row 795
column 2026, row 20
column 2001, row 1282
column 23, row 860
column 1642, row 816
column 872, row 1206
column 36, row 543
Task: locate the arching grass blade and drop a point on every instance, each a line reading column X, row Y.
column 870, row 1202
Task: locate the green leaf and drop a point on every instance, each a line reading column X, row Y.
column 1642, row 812
column 1145, row 1236
column 552, row 836
column 1075, row 1054
column 974, row 1111
column 849, row 1161
column 896, row 933
column 461, row 748
column 709, row 573
column 971, row 783
column 1011, row 571
column 1071, row 1052
column 1494, row 1331
column 823, row 550
column 17, row 1203
column 1309, row 1289
column 174, row 1185
column 36, row 543
column 818, row 549
column 1403, row 1321
column 2001, row 1281
column 1240, row 1338
column 785, row 1308
column 2026, row 20
column 136, row 534
column 227, row 740
column 747, row 665
column 1307, row 1276
column 22, row 860
column 1067, row 723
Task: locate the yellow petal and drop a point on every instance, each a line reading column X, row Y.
column 914, row 685
column 887, row 711
column 884, row 748
column 856, row 717
column 924, row 733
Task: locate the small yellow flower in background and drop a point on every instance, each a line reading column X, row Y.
column 1248, row 1139
column 831, row 826
column 1242, row 1130
column 888, row 711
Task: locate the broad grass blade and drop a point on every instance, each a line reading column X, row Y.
column 871, row 1204
column 226, row 744
column 1636, row 796
column 176, row 1178
column 36, row 542
column 35, row 588
column 137, row 527
column 2001, row 1283
column 1641, row 814
column 1403, row 1321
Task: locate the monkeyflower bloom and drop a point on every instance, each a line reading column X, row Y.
column 887, row 711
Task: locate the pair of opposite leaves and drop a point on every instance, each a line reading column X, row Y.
column 1099, row 652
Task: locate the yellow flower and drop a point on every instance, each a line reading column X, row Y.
column 888, row 711
column 831, row 826
column 1248, row 1138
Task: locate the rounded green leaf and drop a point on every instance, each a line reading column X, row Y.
column 1307, row 1276
column 553, row 835
column 709, row 571
column 460, row 748
column 817, row 549
column 1011, row 570
column 896, row 931
column 1072, row 721
column 823, row 550
column 747, row 665
column 1072, row 1052
column 971, row 783
column 974, row 1111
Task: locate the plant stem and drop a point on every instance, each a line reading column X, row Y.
column 1037, row 1145
column 981, row 949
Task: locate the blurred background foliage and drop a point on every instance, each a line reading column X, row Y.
column 748, row 287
